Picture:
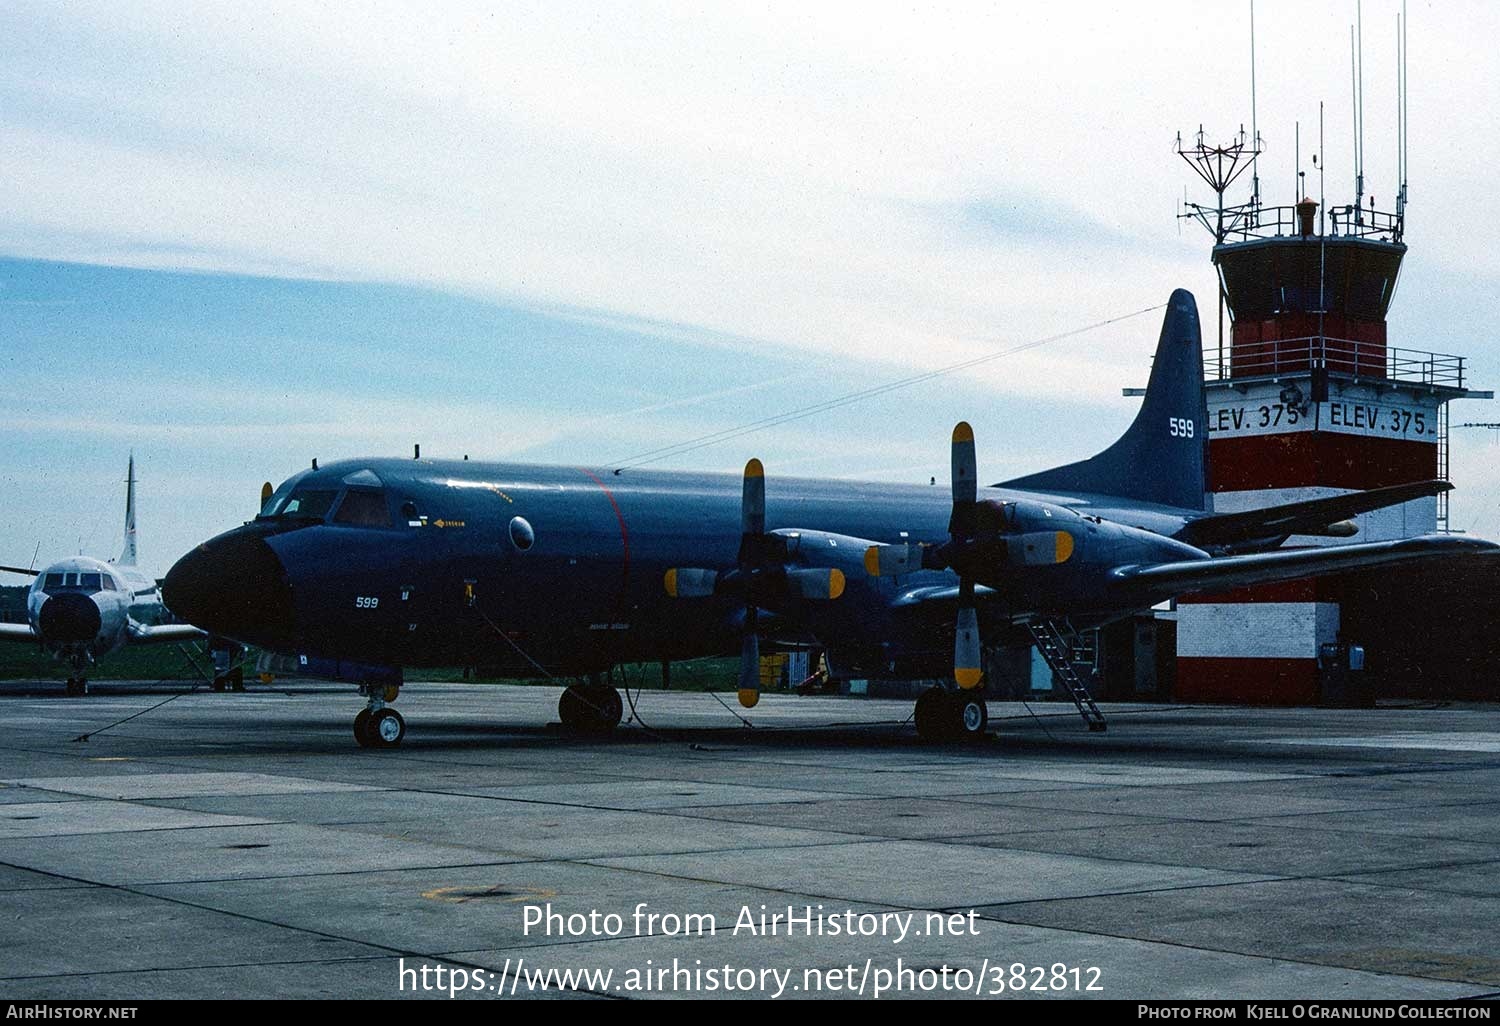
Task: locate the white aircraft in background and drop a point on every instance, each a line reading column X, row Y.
column 81, row 609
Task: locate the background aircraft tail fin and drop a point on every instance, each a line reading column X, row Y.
column 1163, row 457
column 127, row 556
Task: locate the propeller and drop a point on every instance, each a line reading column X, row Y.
column 763, row 575
column 968, row 660
column 983, row 541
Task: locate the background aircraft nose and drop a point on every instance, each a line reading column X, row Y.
column 68, row 617
column 235, row 586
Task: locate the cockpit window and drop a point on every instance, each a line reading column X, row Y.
column 89, row 582
column 308, row 503
column 363, row 508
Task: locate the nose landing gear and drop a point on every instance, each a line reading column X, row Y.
column 378, row 725
column 77, row 684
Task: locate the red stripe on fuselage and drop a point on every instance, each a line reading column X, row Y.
column 624, row 531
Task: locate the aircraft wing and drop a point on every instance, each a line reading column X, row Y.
column 16, row 632
column 938, row 593
column 141, row 634
column 19, row 570
column 1166, row 580
column 1313, row 516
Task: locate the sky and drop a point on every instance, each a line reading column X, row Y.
column 235, row 237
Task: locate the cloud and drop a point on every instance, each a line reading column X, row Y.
column 735, row 210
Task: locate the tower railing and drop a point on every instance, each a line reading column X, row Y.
column 1339, row 356
column 1251, row 221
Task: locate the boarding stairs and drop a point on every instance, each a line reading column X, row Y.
column 1064, row 650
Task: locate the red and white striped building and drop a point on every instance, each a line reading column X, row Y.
column 1307, row 398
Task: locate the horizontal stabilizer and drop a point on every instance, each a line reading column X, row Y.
column 1151, row 584
column 1313, row 516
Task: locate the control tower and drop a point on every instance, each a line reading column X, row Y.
column 1307, row 397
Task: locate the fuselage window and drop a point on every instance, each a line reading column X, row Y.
column 70, row 580
column 108, row 581
column 363, row 508
column 311, row 503
column 90, row 582
column 521, row 534
column 52, row 581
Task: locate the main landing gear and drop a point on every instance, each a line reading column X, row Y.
column 944, row 715
column 592, row 708
column 234, row 680
column 378, row 725
column 77, row 686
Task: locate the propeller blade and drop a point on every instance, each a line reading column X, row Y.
column 818, row 583
column 265, row 493
column 750, row 669
column 1041, row 548
column 690, row 582
column 968, row 667
column 890, row 560
column 753, row 503
column 965, row 484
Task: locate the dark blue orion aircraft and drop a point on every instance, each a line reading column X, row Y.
column 365, row 567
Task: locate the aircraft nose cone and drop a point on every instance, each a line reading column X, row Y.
column 233, row 586
column 68, row 618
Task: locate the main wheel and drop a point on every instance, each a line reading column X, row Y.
column 362, row 729
column 935, row 715
column 608, row 706
column 386, row 728
column 590, row 708
column 970, row 716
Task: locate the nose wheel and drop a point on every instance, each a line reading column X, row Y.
column 378, row 725
column 383, row 728
column 77, row 686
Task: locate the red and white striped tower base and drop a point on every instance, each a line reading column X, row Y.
column 1307, row 400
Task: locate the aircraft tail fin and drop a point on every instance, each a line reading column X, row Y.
column 1163, row 457
column 127, row 556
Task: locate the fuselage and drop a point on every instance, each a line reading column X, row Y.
column 424, row 563
column 81, row 608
